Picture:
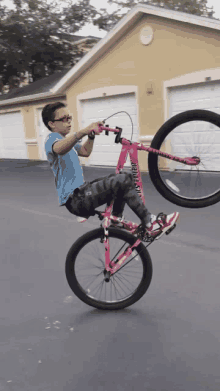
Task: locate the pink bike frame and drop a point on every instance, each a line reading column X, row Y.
column 132, row 149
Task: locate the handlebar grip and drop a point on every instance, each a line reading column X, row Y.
column 117, row 138
column 107, row 131
column 118, row 134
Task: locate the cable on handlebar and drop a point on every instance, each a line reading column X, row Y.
column 125, row 113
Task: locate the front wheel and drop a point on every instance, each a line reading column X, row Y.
column 193, row 133
column 85, row 270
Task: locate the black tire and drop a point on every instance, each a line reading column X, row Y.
column 209, row 195
column 118, row 234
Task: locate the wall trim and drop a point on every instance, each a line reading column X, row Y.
column 31, row 141
column 14, row 110
column 146, row 138
column 22, row 100
column 108, row 91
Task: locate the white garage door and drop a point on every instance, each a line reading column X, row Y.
column 206, row 97
column 105, row 151
column 12, row 144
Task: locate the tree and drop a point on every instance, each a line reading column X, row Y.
column 36, row 38
column 197, row 7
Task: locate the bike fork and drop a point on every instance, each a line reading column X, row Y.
column 111, row 267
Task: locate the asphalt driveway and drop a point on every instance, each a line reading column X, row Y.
column 50, row 340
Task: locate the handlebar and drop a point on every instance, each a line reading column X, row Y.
column 117, row 131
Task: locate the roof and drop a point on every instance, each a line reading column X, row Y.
column 38, row 87
column 79, row 38
column 135, row 14
column 73, row 38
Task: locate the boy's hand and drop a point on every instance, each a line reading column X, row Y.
column 94, row 126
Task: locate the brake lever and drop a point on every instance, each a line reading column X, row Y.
column 118, row 137
column 118, row 134
column 107, row 131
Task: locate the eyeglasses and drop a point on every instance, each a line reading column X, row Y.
column 64, row 119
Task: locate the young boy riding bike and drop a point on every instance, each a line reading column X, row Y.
column 80, row 197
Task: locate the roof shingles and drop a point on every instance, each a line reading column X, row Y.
column 41, row 86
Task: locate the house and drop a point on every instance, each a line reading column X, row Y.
column 153, row 64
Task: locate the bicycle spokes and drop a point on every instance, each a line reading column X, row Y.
column 196, row 139
column 93, row 277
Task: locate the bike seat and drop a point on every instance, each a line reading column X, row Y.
column 83, row 219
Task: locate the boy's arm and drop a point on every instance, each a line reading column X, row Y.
column 61, row 147
column 86, row 148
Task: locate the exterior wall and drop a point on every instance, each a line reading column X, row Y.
column 30, row 132
column 177, row 49
column 33, row 151
column 30, row 122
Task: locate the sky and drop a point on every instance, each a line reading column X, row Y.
column 92, row 30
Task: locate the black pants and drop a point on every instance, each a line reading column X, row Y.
column 117, row 187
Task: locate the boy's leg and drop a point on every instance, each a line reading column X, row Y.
column 122, row 188
column 128, row 194
column 119, row 187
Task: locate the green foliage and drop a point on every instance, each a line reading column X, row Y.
column 35, row 37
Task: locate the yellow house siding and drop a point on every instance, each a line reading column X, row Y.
column 177, row 49
column 33, row 152
column 30, row 132
column 29, row 124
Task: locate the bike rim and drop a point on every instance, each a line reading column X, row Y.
column 192, row 139
column 89, row 271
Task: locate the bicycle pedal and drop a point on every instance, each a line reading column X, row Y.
column 171, row 229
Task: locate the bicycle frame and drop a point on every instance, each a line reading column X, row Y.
column 131, row 148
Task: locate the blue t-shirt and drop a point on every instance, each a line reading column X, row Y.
column 66, row 168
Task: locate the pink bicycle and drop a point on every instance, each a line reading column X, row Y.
column 109, row 267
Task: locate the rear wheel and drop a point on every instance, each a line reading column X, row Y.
column 194, row 133
column 85, row 270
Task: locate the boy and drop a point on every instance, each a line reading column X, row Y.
column 80, row 197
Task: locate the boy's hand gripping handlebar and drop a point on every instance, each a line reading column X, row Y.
column 116, row 131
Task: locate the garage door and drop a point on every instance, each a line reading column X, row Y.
column 206, row 97
column 12, row 144
column 105, row 151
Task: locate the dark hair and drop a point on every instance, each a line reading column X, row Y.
column 48, row 112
